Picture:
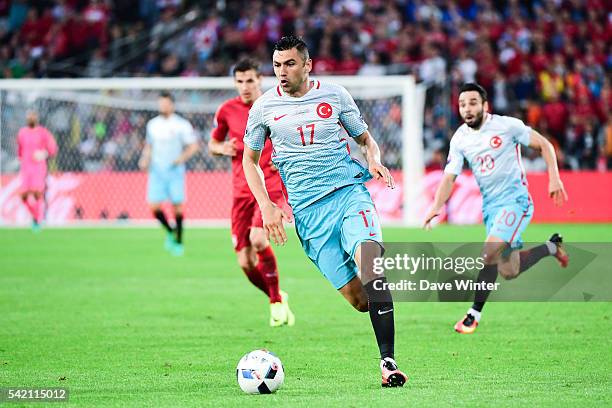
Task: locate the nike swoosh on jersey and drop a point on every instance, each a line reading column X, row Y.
column 381, row 312
column 280, row 117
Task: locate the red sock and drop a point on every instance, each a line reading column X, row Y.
column 267, row 267
column 39, row 208
column 257, row 279
column 31, row 206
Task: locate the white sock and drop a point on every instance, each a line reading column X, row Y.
column 474, row 313
column 552, row 247
column 388, row 359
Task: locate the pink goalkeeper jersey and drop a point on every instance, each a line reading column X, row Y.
column 29, row 140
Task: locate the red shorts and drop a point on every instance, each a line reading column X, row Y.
column 246, row 214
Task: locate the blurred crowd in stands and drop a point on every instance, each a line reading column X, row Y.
column 548, row 62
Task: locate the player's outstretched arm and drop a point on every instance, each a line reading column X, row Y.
column 442, row 195
column 372, row 153
column 225, row 148
column 556, row 190
column 273, row 216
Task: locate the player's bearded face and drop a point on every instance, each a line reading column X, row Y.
column 291, row 69
column 471, row 108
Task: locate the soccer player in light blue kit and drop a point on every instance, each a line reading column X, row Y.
column 491, row 145
column 170, row 142
column 333, row 210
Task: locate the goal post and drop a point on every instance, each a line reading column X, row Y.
column 99, row 124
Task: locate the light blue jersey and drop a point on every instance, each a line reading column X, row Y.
column 309, row 151
column 168, row 137
column 333, row 210
column 494, row 155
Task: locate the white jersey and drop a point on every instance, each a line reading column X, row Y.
column 168, row 137
column 306, row 134
column 494, row 155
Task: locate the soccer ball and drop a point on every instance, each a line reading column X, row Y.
column 260, row 372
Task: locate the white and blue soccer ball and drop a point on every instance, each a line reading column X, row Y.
column 260, row 372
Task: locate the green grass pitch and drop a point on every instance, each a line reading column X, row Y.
column 110, row 315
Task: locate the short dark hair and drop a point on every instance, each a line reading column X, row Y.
column 473, row 86
column 166, row 94
column 247, row 64
column 292, row 41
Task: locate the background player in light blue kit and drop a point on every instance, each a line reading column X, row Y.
column 491, row 145
column 170, row 142
column 333, row 210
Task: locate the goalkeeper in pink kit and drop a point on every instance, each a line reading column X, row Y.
column 34, row 145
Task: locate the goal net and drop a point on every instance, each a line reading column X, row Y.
column 99, row 126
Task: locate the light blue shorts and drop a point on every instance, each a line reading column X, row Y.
column 331, row 228
column 166, row 185
column 509, row 221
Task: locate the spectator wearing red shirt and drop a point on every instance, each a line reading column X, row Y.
column 596, row 31
column 252, row 34
column 575, row 82
column 583, row 110
column 555, row 114
column 512, row 60
column 57, row 41
column 34, row 29
column 436, row 34
column 324, row 63
column 570, row 28
column 288, row 16
column 540, row 58
column 487, row 67
column 96, row 15
column 348, row 64
column 494, row 29
column 78, row 33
